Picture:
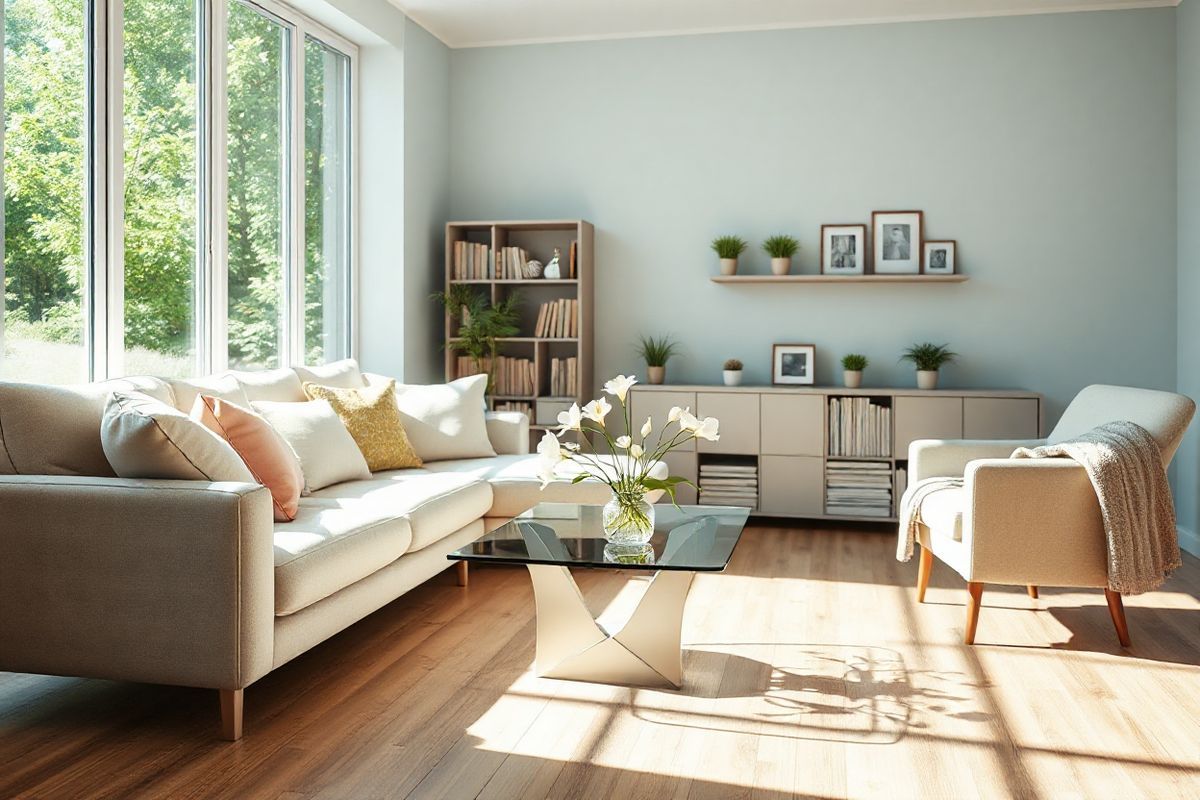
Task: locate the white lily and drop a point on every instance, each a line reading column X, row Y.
column 687, row 421
column 647, row 428
column 571, row 419
column 597, row 410
column 674, row 414
column 636, row 451
column 708, row 429
column 545, row 473
column 623, row 442
column 620, row 386
column 549, row 450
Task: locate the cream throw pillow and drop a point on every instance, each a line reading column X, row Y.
column 326, row 450
column 446, row 420
column 146, row 438
column 343, row 374
column 373, row 420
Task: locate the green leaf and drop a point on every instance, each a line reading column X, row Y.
column 583, row 476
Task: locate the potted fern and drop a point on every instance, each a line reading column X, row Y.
column 928, row 358
column 781, row 249
column 656, row 352
column 732, row 372
column 480, row 325
column 728, row 248
column 853, row 365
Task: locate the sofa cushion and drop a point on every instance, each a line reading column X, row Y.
column 328, row 547
column 55, row 430
column 942, row 512
column 446, row 420
column 435, row 505
column 273, row 385
column 517, row 488
column 222, row 387
column 325, row 448
column 343, row 374
column 371, row 416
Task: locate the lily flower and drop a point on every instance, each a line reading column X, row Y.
column 687, row 421
column 619, row 386
column 675, row 413
column 647, row 428
column 571, row 419
column 623, row 442
column 708, row 429
column 636, row 451
column 597, row 410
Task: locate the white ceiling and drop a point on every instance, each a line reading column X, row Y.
column 480, row 23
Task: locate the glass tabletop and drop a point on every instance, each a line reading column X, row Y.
column 692, row 538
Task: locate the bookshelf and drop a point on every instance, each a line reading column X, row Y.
column 494, row 277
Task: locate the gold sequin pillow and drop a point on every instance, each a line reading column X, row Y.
column 371, row 416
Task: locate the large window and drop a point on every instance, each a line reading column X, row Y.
column 177, row 188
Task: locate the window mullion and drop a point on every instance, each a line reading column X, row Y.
column 216, row 172
column 294, row 295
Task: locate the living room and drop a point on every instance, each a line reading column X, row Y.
column 354, row 351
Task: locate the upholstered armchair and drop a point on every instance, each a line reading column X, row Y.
column 1031, row 522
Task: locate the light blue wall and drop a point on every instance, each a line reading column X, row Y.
column 1045, row 145
column 1187, row 461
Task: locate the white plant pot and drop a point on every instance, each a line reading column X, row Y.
column 781, row 266
column 852, row 378
column 656, row 375
column 728, row 266
column 733, row 377
column 927, row 378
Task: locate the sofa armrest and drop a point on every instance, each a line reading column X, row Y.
column 508, row 432
column 142, row 580
column 948, row 458
column 1033, row 521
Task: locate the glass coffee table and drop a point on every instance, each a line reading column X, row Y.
column 571, row 644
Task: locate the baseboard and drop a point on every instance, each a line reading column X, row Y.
column 1188, row 540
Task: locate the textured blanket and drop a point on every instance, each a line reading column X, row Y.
column 1125, row 467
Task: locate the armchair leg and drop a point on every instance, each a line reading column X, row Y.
column 1116, row 610
column 974, row 600
column 231, row 714
column 1032, row 591
column 923, row 570
column 461, row 568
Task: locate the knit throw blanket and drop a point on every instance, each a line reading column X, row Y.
column 1124, row 464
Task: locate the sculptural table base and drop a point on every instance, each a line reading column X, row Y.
column 572, row 645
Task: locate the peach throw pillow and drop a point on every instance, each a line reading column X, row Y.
column 267, row 455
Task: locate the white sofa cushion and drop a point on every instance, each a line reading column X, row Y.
column 273, row 385
column 444, row 420
column 222, row 387
column 942, row 512
column 326, row 450
column 343, row 374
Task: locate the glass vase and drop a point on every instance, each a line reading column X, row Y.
column 628, row 518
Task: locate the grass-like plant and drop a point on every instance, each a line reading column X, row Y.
column 781, row 246
column 480, row 324
column 656, row 352
column 732, row 363
column 729, row 246
column 854, row 362
column 929, row 357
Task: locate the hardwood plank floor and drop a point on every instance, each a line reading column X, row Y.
column 810, row 671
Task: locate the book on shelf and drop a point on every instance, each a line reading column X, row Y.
column 514, row 264
column 859, row 428
column 473, row 261
column 572, row 270
column 510, row 376
column 859, row 488
column 563, row 380
column 558, row 319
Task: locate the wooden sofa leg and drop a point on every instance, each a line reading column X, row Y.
column 1032, row 591
column 231, row 714
column 1116, row 610
column 461, row 569
column 974, row 599
column 923, row 569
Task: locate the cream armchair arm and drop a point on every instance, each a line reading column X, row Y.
column 508, row 431
column 948, row 458
column 1035, row 522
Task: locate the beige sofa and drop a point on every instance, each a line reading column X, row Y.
column 192, row 583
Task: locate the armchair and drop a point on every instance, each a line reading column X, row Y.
column 1031, row 522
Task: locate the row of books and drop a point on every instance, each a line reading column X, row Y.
column 477, row 261
column 524, row 407
column 723, row 484
column 511, row 376
column 558, row 319
column 859, row 428
column 858, row 488
column 473, row 261
column 564, row 377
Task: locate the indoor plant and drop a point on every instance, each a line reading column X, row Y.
column 656, row 353
column 853, row 365
column 732, row 372
column 928, row 358
column 781, row 249
column 480, row 324
column 628, row 518
column 728, row 248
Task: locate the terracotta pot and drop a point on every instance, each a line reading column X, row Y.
column 781, row 266
column 852, row 378
column 728, row 266
column 733, row 377
column 927, row 378
column 656, row 375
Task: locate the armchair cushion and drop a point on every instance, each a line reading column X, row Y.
column 948, row 458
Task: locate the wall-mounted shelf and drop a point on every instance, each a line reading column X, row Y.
column 838, row 278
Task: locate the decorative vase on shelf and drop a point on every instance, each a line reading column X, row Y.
column 927, row 378
column 656, row 375
column 733, row 377
column 628, row 519
column 852, row 378
column 781, row 266
column 729, row 266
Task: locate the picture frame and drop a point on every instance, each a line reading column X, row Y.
column 896, row 238
column 793, row 364
column 843, row 249
column 939, row 257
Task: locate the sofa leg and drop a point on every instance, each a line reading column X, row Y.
column 231, row 714
column 461, row 569
column 923, row 569
column 1032, row 591
column 974, row 599
column 1116, row 610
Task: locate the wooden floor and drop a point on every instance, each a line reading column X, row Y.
column 810, row 672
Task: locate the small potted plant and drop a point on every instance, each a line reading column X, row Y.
column 853, row 365
column 781, row 249
column 728, row 248
column 732, row 372
column 928, row 358
column 656, row 352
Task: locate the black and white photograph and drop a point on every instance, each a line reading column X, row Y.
column 939, row 257
column 793, row 364
column 897, row 237
column 843, row 249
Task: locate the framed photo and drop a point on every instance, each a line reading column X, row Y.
column 843, row 249
column 793, row 364
column 939, row 257
column 897, row 238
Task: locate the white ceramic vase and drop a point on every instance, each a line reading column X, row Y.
column 656, row 375
column 781, row 266
column 927, row 378
column 852, row 378
column 733, row 377
column 728, row 266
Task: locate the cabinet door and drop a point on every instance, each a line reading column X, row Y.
column 791, row 485
column 793, row 424
column 926, row 418
column 683, row 465
column 650, row 403
column 738, row 413
column 1000, row 418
